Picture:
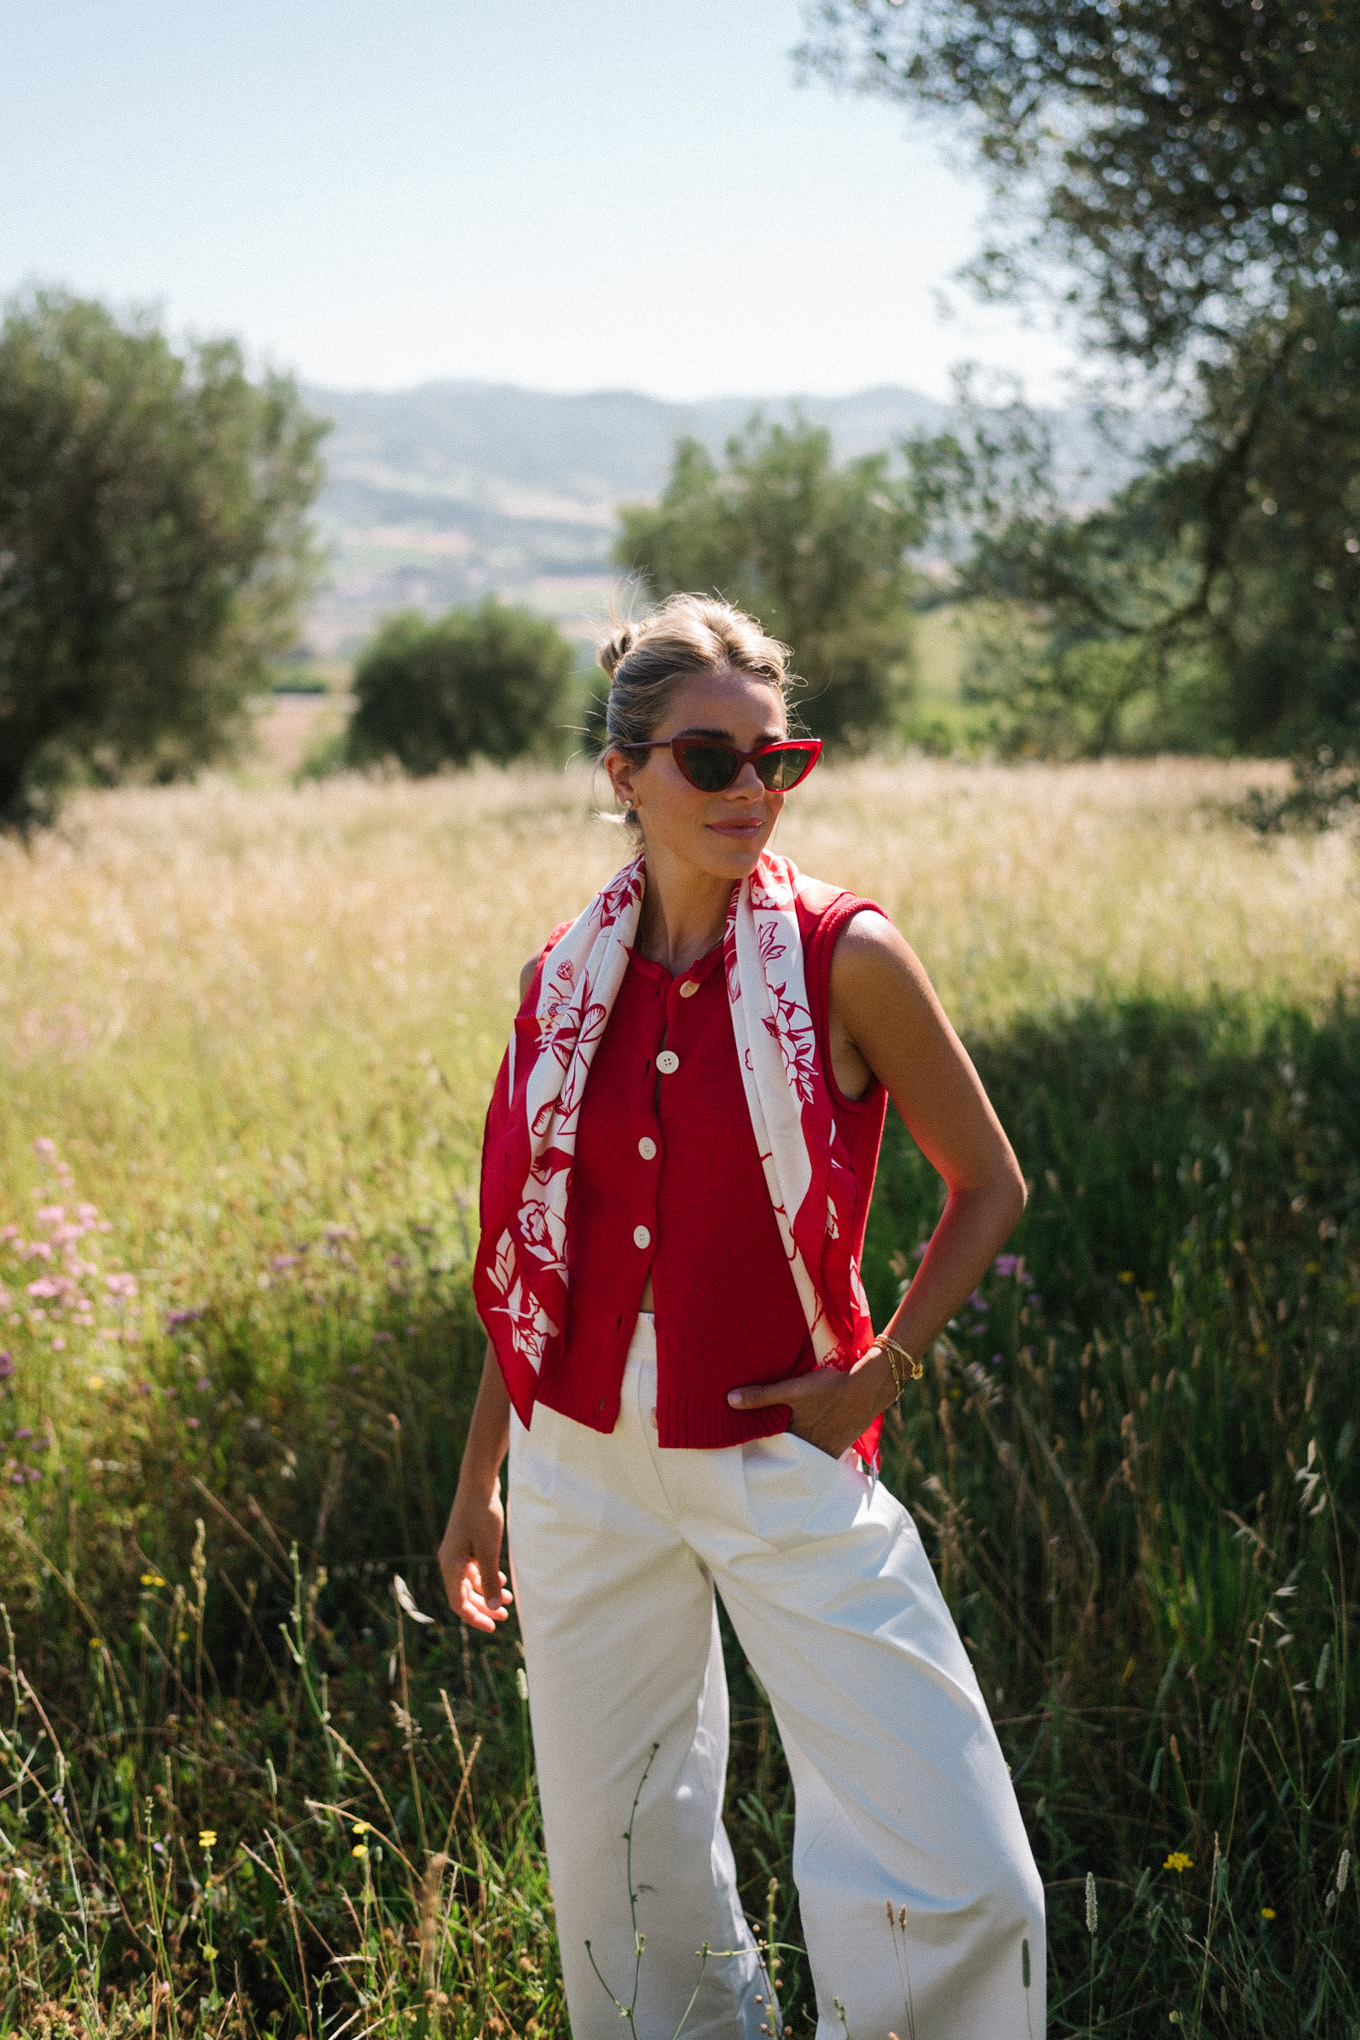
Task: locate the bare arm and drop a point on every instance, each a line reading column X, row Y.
column 470, row 1554
column 887, row 1022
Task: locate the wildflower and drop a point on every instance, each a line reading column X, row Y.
column 1267, row 1912
column 152, row 1579
column 360, row 1850
column 96, row 1381
column 96, row 1643
column 45, row 1147
column 361, row 1827
column 207, row 1838
column 1006, row 1264
column 1126, row 1275
column 6, row 1366
column 1179, row 1862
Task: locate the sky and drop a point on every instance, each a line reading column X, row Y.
column 570, row 194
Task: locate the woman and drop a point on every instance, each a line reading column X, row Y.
column 677, row 1170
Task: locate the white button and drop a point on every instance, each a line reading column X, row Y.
column 688, row 988
column 647, row 1147
column 668, row 1062
column 641, row 1236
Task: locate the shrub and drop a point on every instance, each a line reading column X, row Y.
column 476, row 683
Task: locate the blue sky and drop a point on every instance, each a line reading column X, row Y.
column 587, row 194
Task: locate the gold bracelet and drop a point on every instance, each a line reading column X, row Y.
column 896, row 1353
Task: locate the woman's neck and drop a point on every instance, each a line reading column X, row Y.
column 684, row 912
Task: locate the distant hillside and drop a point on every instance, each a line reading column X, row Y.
column 440, row 493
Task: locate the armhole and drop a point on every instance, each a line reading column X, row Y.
column 819, row 947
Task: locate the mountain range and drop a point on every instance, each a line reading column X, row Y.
column 438, row 494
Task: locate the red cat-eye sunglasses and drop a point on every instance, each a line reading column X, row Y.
column 712, row 764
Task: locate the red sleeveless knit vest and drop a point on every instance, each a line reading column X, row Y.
column 668, row 1181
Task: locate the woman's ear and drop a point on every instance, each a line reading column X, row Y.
column 621, row 769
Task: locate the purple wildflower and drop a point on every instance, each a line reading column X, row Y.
column 1006, row 1265
column 6, row 1366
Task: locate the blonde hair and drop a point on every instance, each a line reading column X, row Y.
column 688, row 634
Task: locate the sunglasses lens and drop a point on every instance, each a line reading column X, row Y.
column 781, row 769
column 711, row 767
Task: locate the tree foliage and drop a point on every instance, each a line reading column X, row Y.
column 153, row 547
column 1198, row 167
column 1196, row 160
column 816, row 551
column 488, row 682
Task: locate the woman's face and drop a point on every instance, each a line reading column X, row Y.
column 724, row 833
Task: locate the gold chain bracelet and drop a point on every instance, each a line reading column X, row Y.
column 895, row 1353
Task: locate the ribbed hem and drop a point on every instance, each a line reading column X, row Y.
column 697, row 1421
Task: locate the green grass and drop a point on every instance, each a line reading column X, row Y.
column 1135, row 1469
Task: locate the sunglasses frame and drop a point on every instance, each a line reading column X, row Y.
column 676, row 745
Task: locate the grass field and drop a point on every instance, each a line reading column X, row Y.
column 246, row 1037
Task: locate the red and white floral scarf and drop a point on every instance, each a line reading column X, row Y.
column 520, row 1277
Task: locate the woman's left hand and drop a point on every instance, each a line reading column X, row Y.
column 831, row 1406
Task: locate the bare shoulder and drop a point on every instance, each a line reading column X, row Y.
column 872, row 958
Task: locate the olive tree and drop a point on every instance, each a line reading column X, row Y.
column 154, row 547
column 817, row 551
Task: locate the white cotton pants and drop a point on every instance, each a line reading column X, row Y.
column 902, row 1795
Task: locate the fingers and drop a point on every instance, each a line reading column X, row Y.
column 800, row 1388
column 474, row 1602
column 474, row 1605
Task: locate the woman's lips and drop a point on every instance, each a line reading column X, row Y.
column 741, row 830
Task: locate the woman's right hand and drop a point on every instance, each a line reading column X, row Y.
column 470, row 1557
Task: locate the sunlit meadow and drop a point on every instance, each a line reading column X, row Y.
column 246, row 1039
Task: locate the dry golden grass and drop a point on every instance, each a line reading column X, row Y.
column 216, row 984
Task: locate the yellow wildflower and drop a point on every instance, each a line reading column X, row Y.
column 207, row 1838
column 361, row 1827
column 152, row 1579
column 360, row 1850
column 1267, row 1912
column 1179, row 1862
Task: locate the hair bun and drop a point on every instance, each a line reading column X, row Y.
column 615, row 650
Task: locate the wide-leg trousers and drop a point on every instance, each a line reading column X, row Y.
column 921, row 1906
